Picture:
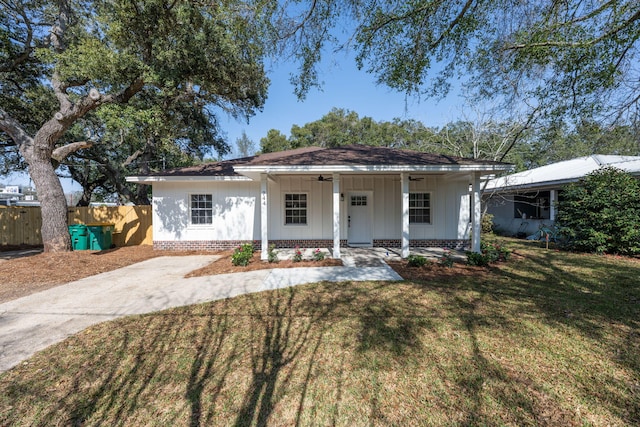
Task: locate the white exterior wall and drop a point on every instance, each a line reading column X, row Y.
column 236, row 211
column 319, row 208
column 449, row 204
column 236, row 207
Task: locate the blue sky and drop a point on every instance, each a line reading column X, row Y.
column 343, row 86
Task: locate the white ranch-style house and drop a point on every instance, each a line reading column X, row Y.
column 318, row 197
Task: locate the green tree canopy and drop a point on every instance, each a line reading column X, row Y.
column 568, row 58
column 61, row 61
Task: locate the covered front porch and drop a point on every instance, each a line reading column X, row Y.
column 392, row 211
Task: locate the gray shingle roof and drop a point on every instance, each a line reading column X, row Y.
column 352, row 155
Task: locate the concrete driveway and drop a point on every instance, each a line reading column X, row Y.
column 34, row 322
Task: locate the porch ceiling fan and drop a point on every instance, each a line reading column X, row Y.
column 414, row 178
column 322, row 178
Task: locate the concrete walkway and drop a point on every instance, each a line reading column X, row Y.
column 34, row 322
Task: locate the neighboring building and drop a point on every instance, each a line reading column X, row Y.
column 10, row 195
column 522, row 202
column 321, row 197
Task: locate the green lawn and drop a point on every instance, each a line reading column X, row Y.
column 548, row 339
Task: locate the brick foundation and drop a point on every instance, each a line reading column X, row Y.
column 200, row 245
column 218, row 245
column 423, row 243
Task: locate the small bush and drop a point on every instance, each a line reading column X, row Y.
column 478, row 259
column 416, row 260
column 242, row 255
column 272, row 255
column 489, row 253
column 487, row 223
column 318, row 255
column 297, row 255
column 446, row 259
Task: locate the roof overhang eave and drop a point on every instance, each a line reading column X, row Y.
column 254, row 172
column 531, row 185
column 184, row 178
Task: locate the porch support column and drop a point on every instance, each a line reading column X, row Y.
column 336, row 215
column 264, row 217
column 476, row 214
column 404, row 181
column 553, row 199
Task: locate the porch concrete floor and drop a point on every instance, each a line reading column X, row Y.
column 370, row 257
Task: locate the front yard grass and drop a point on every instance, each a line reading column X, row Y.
column 549, row 338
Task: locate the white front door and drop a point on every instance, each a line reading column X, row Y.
column 360, row 219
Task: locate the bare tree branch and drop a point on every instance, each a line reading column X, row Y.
column 60, row 153
column 13, row 128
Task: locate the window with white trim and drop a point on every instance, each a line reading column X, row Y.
column 201, row 209
column 295, row 209
column 419, row 208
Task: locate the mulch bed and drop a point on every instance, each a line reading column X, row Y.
column 224, row 265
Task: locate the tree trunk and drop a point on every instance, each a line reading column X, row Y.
column 37, row 153
column 55, row 232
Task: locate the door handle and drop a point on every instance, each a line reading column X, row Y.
column 349, row 221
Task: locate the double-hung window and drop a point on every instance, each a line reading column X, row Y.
column 419, row 208
column 201, row 209
column 295, row 209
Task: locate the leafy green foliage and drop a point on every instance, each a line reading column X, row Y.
column 242, row 255
column 477, row 259
column 487, row 223
column 297, row 254
column 601, row 213
column 272, row 254
column 446, row 259
column 569, row 59
column 416, row 260
column 489, row 253
column 178, row 63
column 318, row 255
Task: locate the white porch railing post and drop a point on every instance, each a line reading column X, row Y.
column 477, row 214
column 264, row 217
column 336, row 215
column 553, row 199
column 404, row 180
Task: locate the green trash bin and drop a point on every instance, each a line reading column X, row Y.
column 100, row 236
column 79, row 237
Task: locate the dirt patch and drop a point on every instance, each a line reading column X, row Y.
column 432, row 271
column 224, row 265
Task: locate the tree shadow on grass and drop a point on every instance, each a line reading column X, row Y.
column 382, row 327
column 286, row 333
column 526, row 400
column 553, row 285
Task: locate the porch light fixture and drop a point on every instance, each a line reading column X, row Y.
column 470, row 187
column 342, row 197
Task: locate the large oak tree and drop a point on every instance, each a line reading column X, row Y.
column 62, row 60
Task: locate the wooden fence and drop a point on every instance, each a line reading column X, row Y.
column 20, row 225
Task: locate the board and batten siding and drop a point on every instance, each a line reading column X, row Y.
column 319, row 208
column 236, row 208
column 449, row 203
